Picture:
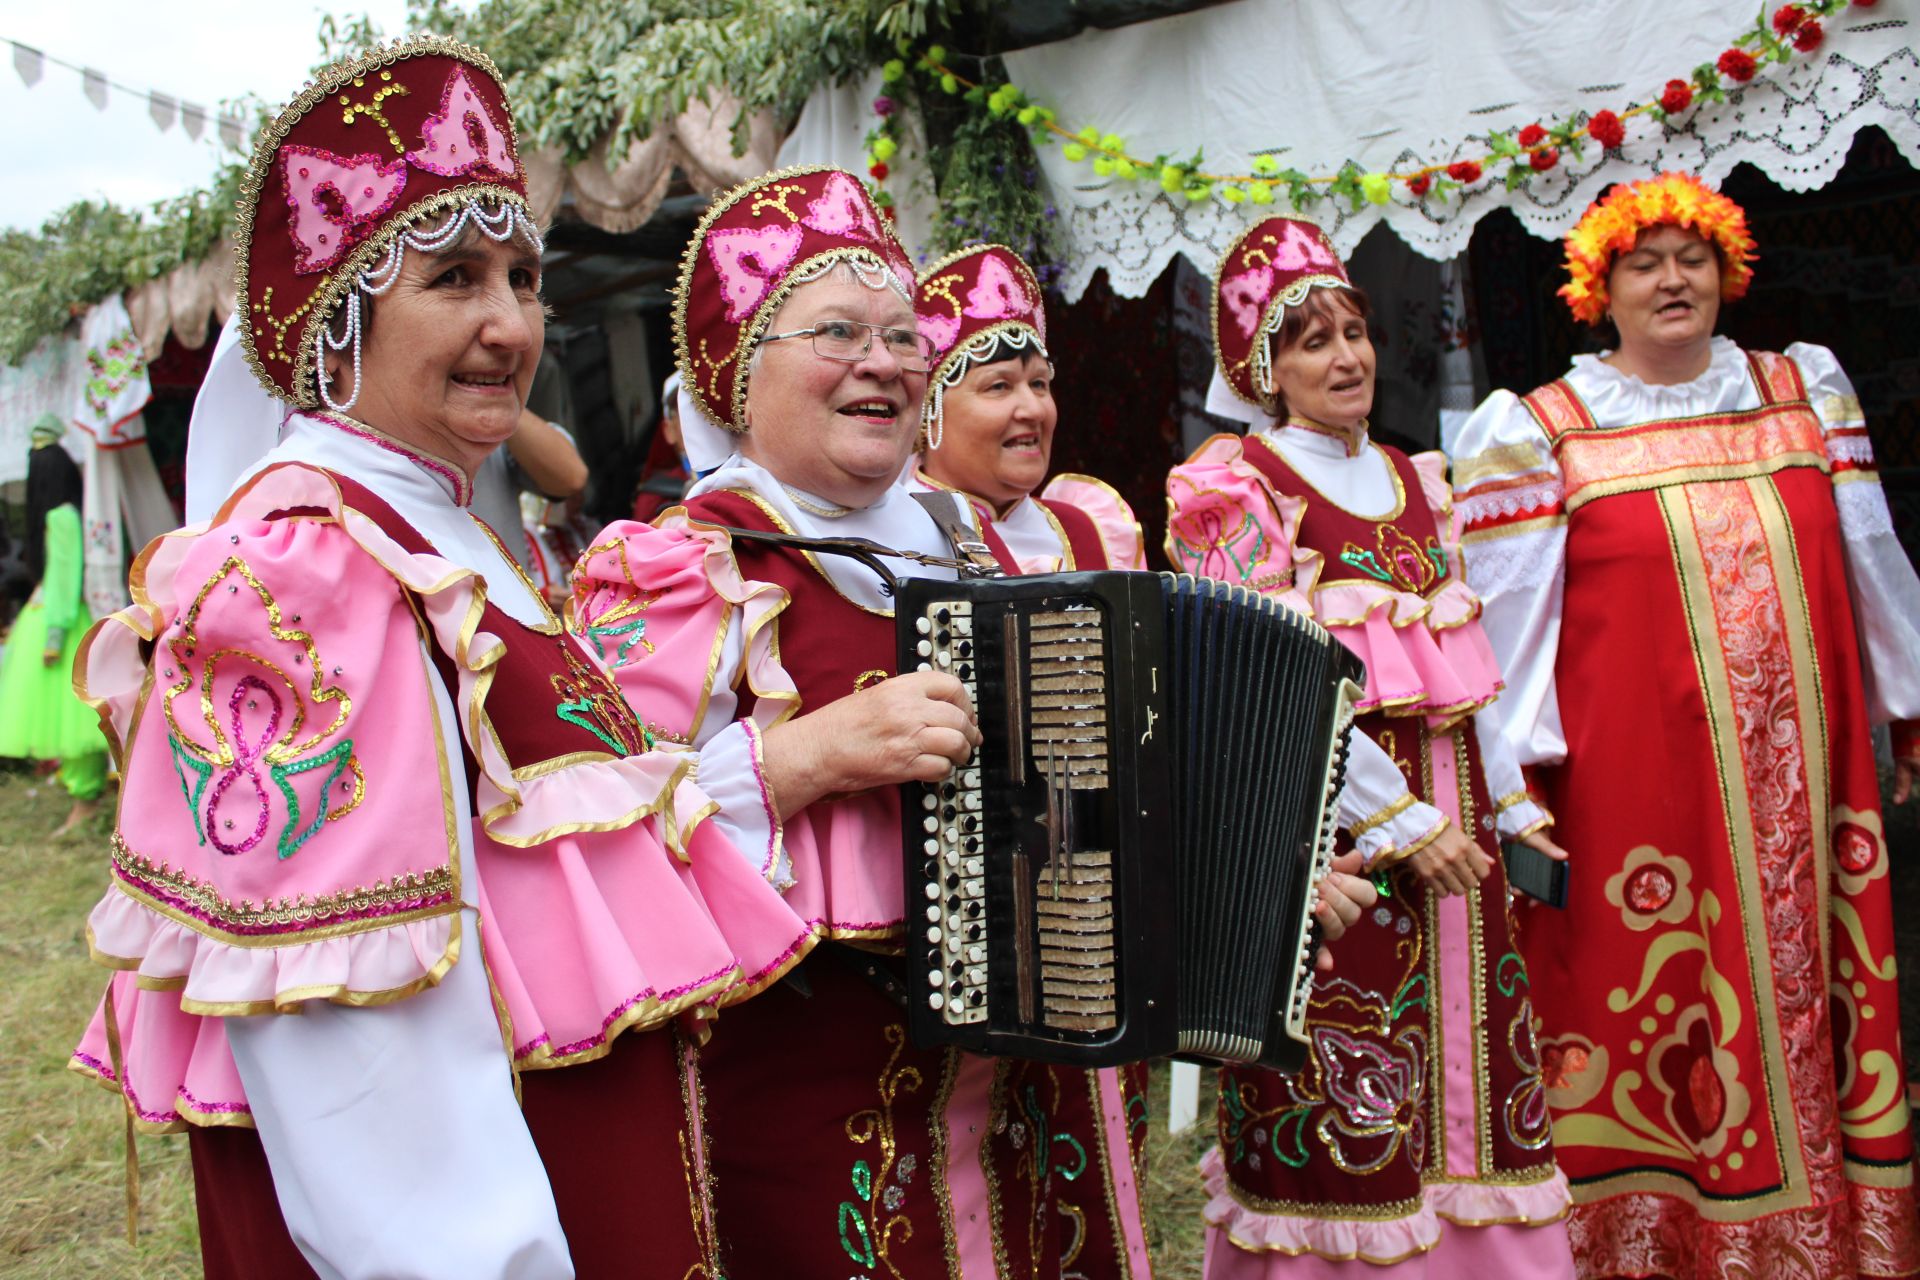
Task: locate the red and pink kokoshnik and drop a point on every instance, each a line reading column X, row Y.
column 1271, row 267
column 753, row 247
column 401, row 133
column 984, row 289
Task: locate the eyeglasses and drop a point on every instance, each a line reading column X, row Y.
column 849, row 341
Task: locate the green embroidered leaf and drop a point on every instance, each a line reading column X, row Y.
column 1081, row 1166
column 190, row 793
column 858, row 1242
column 1411, row 994
column 1294, row 1126
column 1510, row 974
column 340, row 756
column 580, row 712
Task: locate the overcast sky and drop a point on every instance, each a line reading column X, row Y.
column 60, row 149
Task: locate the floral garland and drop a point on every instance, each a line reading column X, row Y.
column 1793, row 29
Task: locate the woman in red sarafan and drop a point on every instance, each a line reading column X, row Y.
column 1693, row 586
column 1416, row 1138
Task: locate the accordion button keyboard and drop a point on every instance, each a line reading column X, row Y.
column 954, row 808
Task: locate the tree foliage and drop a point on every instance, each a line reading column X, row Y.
column 576, row 71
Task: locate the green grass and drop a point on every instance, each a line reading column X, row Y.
column 62, row 1149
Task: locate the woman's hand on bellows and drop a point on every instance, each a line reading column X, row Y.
column 911, row 728
column 1452, row 862
column 1344, row 895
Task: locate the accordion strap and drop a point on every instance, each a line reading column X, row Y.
column 960, row 535
column 865, row 550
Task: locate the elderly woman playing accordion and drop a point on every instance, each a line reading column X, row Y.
column 371, row 781
column 846, row 1145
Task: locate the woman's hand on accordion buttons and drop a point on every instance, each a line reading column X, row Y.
column 1452, row 862
column 1345, row 895
column 911, row 728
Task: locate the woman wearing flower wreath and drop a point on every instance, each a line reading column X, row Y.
column 990, row 417
column 1417, row 1135
column 1684, row 530
column 838, row 1146
column 370, row 780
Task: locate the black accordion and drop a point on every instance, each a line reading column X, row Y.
column 1126, row 867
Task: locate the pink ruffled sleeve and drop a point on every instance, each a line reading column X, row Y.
column 1113, row 519
column 278, row 840
column 1225, row 521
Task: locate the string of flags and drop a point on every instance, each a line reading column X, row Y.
column 163, row 108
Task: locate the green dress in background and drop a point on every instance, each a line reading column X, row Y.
column 40, row 716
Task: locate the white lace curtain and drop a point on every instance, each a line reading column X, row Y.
column 1400, row 84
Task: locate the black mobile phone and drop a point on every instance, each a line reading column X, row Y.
column 1535, row 874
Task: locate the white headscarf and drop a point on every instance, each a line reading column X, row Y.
column 235, row 422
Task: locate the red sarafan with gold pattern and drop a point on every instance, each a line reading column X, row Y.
column 376, row 145
column 1728, row 1090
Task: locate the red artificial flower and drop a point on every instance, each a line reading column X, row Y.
column 1807, row 37
column 1865, row 4
column 1607, row 129
column 1464, row 171
column 879, row 172
column 1420, row 184
column 1531, row 136
column 1786, row 18
column 1737, row 64
column 1544, row 159
column 1677, row 97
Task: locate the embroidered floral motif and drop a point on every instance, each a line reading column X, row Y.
column 1573, row 1070
column 1859, row 848
column 256, row 728
column 1218, row 542
column 1398, row 560
column 1700, row 1083
column 1525, row 1113
column 112, row 370
column 1651, row 888
column 589, row 701
column 612, row 614
column 864, row 1235
column 1374, row 1089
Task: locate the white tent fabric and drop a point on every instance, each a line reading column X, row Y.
column 123, row 501
column 1400, row 84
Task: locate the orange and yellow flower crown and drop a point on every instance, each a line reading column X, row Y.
column 1612, row 224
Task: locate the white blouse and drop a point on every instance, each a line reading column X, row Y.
column 1504, row 467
